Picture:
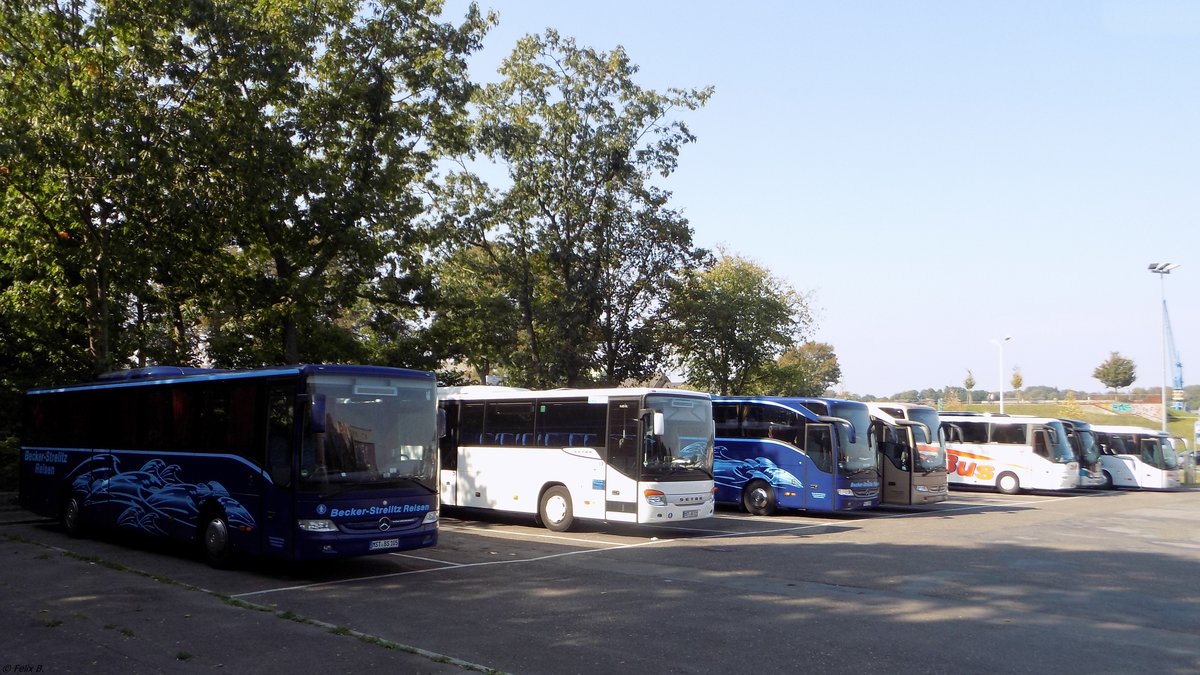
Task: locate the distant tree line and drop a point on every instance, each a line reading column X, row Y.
column 1030, row 394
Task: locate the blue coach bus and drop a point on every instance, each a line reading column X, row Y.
column 298, row 463
column 776, row 452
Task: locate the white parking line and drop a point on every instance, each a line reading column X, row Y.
column 610, row 546
column 523, row 535
column 441, row 569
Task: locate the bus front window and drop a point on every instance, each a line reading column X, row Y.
column 1159, row 453
column 376, row 431
column 931, row 452
column 1059, row 450
column 1170, row 460
column 859, row 456
column 1089, row 450
column 687, row 440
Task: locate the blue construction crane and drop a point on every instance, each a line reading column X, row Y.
column 1178, row 396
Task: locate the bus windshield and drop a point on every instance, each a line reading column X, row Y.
column 1089, row 450
column 1165, row 458
column 376, row 431
column 931, row 452
column 687, row 440
column 859, row 455
column 1060, row 451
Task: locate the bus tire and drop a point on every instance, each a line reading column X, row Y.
column 554, row 510
column 759, row 498
column 1108, row 482
column 214, row 539
column 72, row 517
column 1008, row 483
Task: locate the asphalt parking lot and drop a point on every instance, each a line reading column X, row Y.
column 1078, row 583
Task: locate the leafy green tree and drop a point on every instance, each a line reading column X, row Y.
column 1116, row 372
column 477, row 319
column 330, row 118
column 730, row 322
column 82, row 147
column 1017, row 380
column 582, row 241
column 223, row 178
column 806, row 370
column 969, row 384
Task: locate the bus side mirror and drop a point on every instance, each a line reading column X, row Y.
column 315, row 404
column 655, row 420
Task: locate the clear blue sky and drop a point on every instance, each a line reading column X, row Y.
column 936, row 174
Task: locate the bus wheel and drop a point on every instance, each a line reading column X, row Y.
column 759, row 498
column 1108, row 481
column 214, row 540
column 1008, row 483
column 555, row 509
column 72, row 517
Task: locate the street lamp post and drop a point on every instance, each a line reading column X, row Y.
column 1162, row 270
column 1000, row 344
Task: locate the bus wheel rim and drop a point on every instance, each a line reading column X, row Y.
column 556, row 508
column 216, row 537
column 758, row 497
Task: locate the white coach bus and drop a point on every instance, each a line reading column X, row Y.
column 1009, row 453
column 632, row 455
column 1137, row 457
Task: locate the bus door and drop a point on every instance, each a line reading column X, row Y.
column 623, row 460
column 819, row 489
column 276, row 503
column 895, row 445
column 448, row 457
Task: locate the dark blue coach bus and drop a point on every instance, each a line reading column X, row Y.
column 298, row 463
column 778, row 452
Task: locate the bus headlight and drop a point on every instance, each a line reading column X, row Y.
column 655, row 497
column 431, row 517
column 317, row 525
column 845, row 492
column 922, row 488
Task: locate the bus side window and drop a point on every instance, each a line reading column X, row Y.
column 1039, row 443
column 755, row 424
column 725, row 416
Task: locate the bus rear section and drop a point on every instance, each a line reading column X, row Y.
column 632, row 455
column 774, row 452
column 913, row 451
column 1009, row 454
column 1137, row 457
column 297, row 463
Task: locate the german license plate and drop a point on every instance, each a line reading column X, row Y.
column 691, row 513
column 384, row 544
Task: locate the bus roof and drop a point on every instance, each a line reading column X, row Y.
column 172, row 374
column 790, row 403
column 488, row 392
column 904, row 405
column 998, row 419
column 1128, row 429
